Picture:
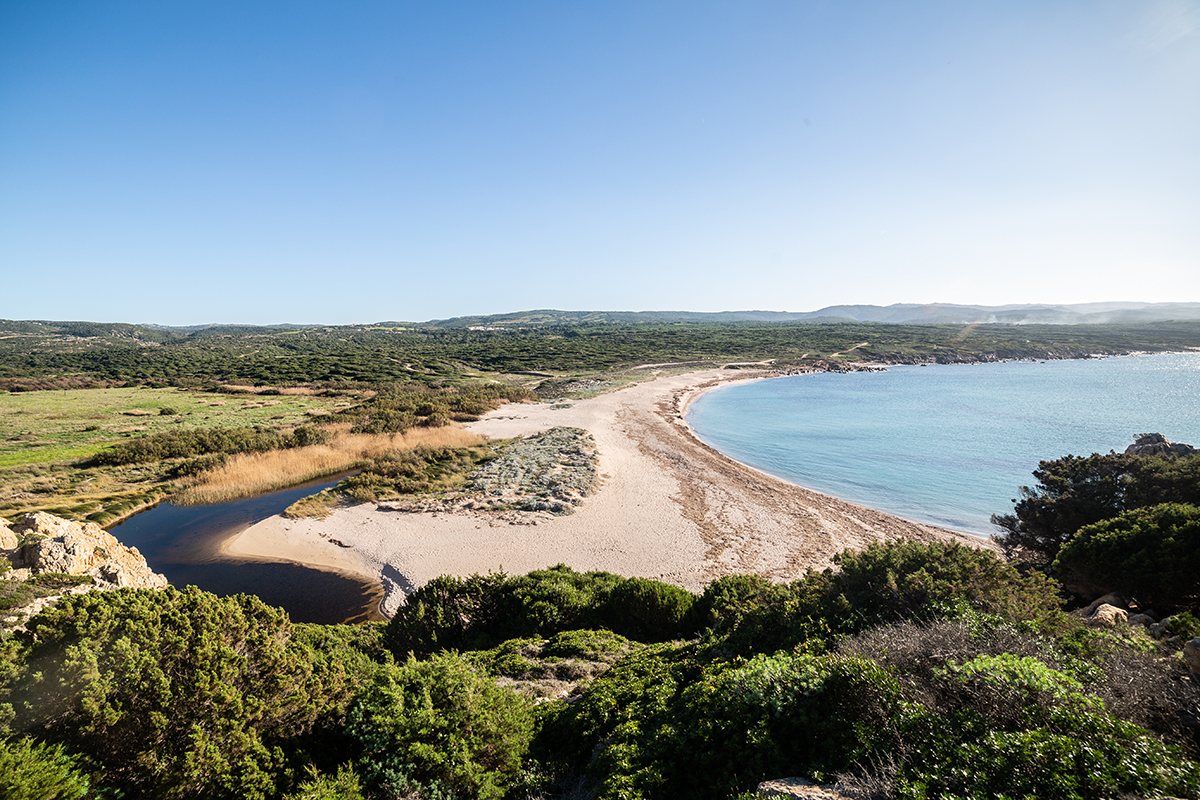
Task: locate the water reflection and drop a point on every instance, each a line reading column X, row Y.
column 184, row 544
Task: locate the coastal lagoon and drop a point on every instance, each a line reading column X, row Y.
column 184, row 544
column 947, row 445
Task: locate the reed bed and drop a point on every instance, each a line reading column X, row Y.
column 251, row 474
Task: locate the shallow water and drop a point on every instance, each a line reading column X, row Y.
column 183, row 543
column 947, row 445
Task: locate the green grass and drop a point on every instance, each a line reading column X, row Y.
column 57, row 426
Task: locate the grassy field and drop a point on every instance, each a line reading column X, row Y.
column 45, row 436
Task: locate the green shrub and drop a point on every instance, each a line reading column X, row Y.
column 649, row 611
column 32, row 770
column 1075, row 491
column 440, row 724
column 1152, row 554
column 173, row 694
column 902, row 580
column 318, row 786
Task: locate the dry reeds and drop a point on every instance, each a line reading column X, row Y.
column 251, row 474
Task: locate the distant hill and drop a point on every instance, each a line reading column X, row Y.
column 899, row 313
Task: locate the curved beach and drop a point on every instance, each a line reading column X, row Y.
column 667, row 507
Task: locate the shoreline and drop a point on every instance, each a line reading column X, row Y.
column 667, row 506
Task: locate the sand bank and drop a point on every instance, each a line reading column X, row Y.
column 668, row 507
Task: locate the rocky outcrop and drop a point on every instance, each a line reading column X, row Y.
column 41, row 543
column 1151, row 444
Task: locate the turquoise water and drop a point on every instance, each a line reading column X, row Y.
column 947, row 444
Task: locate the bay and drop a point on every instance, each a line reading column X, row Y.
column 947, row 445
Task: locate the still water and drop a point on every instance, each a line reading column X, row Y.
column 183, row 543
column 947, row 445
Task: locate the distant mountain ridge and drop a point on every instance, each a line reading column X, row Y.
column 1117, row 313
column 898, row 313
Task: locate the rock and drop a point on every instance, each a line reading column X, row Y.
column 1108, row 616
column 1112, row 599
column 1159, row 629
column 1145, row 620
column 54, row 544
column 798, row 787
column 1191, row 655
column 8, row 538
column 1150, row 444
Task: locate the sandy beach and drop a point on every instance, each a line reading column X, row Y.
column 667, row 507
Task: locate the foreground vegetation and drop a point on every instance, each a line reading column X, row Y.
column 911, row 671
column 907, row 671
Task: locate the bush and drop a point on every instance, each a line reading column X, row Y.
column 1152, row 554
column 1075, row 491
column 31, row 770
column 649, row 611
column 439, row 724
column 173, row 694
column 480, row 611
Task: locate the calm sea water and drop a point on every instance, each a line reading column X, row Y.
column 948, row 445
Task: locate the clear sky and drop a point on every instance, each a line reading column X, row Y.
column 259, row 162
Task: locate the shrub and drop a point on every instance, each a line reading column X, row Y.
column 1149, row 553
column 1075, row 491
column 32, row 770
column 439, row 723
column 906, row 580
column 174, row 694
column 649, row 611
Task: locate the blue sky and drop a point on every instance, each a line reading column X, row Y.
column 189, row 162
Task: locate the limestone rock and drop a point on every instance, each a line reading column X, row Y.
column 798, row 787
column 1150, row 444
column 1111, row 599
column 1108, row 616
column 8, row 539
column 53, row 544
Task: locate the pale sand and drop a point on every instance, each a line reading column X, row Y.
column 667, row 507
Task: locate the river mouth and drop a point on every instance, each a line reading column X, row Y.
column 184, row 544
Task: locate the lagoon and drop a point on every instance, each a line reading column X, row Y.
column 947, row 445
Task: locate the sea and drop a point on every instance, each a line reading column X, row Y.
column 948, row 445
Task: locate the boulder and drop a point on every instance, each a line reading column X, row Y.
column 1191, row 655
column 8, row 538
column 1151, row 444
column 1111, row 599
column 1108, row 616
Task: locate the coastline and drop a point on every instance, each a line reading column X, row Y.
column 667, row 506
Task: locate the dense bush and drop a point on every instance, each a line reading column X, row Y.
column 439, row 725
column 481, row 611
column 398, row 407
column 883, row 583
column 420, row 469
column 31, row 770
column 173, row 693
column 1074, row 491
column 1151, row 553
column 649, row 611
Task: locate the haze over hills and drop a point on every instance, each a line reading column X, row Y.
column 1119, row 313
column 899, row 313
